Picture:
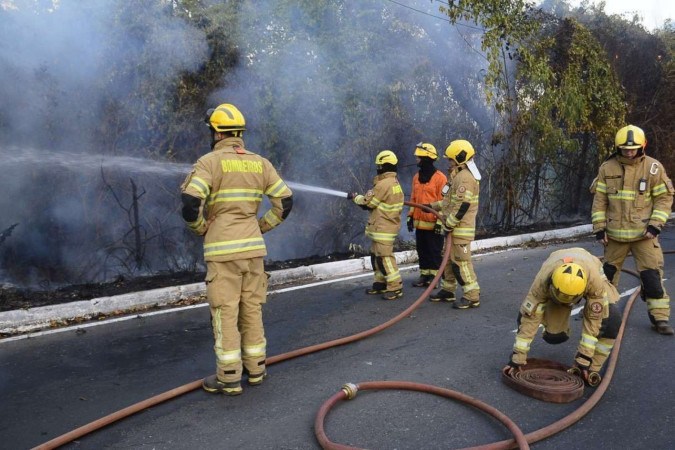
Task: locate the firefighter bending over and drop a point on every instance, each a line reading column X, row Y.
column 458, row 209
column 565, row 278
column 385, row 203
column 632, row 201
column 221, row 198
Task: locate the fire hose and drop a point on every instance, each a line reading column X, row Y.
column 521, row 440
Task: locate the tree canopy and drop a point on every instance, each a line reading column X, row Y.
column 104, row 102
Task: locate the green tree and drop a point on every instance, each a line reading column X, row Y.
column 557, row 100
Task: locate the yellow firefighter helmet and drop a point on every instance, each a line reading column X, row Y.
column 225, row 117
column 386, row 157
column 426, row 149
column 568, row 282
column 630, row 137
column 460, row 151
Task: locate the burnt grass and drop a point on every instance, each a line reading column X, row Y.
column 13, row 298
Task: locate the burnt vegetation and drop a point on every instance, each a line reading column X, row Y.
column 90, row 204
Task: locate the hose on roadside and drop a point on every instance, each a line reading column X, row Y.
column 517, row 442
column 184, row 389
column 519, row 439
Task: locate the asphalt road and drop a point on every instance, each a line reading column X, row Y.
column 52, row 384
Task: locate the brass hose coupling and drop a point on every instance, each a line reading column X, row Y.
column 350, row 390
column 574, row 371
column 594, row 379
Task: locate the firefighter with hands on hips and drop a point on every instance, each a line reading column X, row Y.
column 427, row 187
column 632, row 201
column 458, row 208
column 565, row 278
column 221, row 198
column 385, row 203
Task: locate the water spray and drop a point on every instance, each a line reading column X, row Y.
column 320, row 190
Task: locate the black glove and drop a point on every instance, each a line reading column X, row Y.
column 512, row 368
column 439, row 228
column 600, row 235
column 411, row 224
column 653, row 230
column 581, row 368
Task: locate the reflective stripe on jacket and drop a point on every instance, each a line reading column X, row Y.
column 232, row 181
column 629, row 197
column 460, row 205
column 599, row 295
column 426, row 193
column 385, row 202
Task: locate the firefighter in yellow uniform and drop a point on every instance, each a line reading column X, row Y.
column 566, row 277
column 632, row 200
column 427, row 187
column 221, row 198
column 458, row 209
column 385, row 203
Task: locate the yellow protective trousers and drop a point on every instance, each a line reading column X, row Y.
column 385, row 269
column 648, row 257
column 460, row 270
column 556, row 321
column 236, row 291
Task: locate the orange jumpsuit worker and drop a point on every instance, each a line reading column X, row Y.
column 427, row 187
column 459, row 208
column 221, row 198
column 632, row 202
column 564, row 279
column 385, row 203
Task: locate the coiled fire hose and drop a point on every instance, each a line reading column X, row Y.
column 520, row 440
column 518, row 436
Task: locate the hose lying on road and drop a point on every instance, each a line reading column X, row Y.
column 531, row 437
column 349, row 392
column 545, row 380
column 168, row 395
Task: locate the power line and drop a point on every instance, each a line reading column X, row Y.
column 437, row 17
column 420, row 11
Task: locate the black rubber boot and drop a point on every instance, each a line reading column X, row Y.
column 662, row 327
column 256, row 379
column 422, row 281
column 393, row 295
column 215, row 386
column 442, row 296
column 378, row 288
column 463, row 303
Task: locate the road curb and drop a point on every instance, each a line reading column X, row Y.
column 32, row 319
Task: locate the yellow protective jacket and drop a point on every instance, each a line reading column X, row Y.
column 231, row 182
column 460, row 205
column 629, row 196
column 599, row 295
column 385, row 202
column 426, row 194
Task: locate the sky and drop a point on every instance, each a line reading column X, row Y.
column 653, row 12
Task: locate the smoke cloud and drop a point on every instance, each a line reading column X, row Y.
column 364, row 77
column 359, row 57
